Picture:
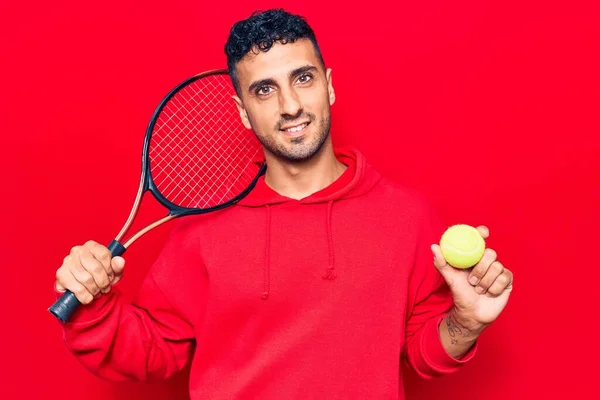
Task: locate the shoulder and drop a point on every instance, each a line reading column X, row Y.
column 405, row 198
column 186, row 232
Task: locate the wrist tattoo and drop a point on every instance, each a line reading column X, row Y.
column 455, row 330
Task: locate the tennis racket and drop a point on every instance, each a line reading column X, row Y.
column 197, row 157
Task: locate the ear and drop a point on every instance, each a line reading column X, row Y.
column 330, row 87
column 242, row 111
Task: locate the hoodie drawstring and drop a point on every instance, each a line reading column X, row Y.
column 330, row 274
column 267, row 261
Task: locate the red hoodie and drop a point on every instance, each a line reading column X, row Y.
column 276, row 298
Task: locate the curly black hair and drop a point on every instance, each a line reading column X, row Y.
column 260, row 31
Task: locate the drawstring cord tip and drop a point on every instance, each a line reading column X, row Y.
column 330, row 275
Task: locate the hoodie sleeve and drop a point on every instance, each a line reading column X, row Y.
column 152, row 337
column 428, row 303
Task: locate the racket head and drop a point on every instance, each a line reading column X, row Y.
column 198, row 156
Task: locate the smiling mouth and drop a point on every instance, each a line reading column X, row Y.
column 296, row 128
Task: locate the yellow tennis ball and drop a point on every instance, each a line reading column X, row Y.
column 462, row 246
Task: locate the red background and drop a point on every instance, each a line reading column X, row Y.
column 490, row 108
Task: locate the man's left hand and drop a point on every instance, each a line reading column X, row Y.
column 480, row 293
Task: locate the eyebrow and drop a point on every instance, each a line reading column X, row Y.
column 301, row 70
column 271, row 81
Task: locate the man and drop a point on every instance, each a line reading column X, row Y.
column 314, row 286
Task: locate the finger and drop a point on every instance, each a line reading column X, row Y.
column 95, row 268
column 494, row 271
column 501, row 284
column 118, row 266
column 80, row 291
column 102, row 254
column 80, row 274
column 65, row 280
column 483, row 231
column 448, row 272
column 59, row 283
column 438, row 257
column 480, row 269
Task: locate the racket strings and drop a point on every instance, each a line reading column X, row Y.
column 200, row 153
column 191, row 170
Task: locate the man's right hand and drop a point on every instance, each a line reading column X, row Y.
column 88, row 271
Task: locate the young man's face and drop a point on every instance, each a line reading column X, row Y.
column 285, row 95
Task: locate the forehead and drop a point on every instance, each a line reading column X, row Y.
column 277, row 62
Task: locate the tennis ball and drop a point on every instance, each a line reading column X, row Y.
column 462, row 246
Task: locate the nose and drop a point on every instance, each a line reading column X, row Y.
column 289, row 104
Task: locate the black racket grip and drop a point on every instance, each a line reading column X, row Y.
column 68, row 303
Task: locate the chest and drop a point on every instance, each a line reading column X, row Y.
column 288, row 250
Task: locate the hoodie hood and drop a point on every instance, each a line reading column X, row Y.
column 358, row 179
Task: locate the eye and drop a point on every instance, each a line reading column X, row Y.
column 304, row 78
column 263, row 90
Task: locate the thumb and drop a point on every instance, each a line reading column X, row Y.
column 118, row 265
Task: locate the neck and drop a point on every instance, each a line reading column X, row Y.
column 298, row 180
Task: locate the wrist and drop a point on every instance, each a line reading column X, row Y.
column 466, row 323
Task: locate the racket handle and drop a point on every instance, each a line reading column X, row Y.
column 68, row 303
column 64, row 307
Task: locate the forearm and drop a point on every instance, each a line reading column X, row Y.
column 457, row 338
column 114, row 341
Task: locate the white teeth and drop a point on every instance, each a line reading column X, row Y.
column 296, row 128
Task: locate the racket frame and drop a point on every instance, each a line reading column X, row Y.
column 147, row 182
column 67, row 303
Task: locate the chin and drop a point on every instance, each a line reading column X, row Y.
column 301, row 149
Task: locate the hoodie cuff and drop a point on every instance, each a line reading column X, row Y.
column 87, row 314
column 434, row 353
